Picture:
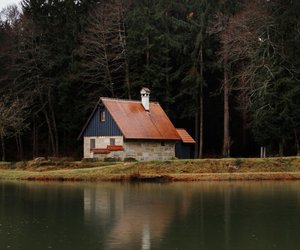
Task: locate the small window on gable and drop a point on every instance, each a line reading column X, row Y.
column 112, row 141
column 102, row 116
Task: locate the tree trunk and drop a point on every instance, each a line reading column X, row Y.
column 201, row 105
column 128, row 83
column 196, row 151
column 19, row 146
column 55, row 132
column 147, row 52
column 53, row 123
column 35, row 139
column 108, row 72
column 226, row 139
column 281, row 148
column 34, row 151
column 167, row 88
column 297, row 142
column 123, row 42
column 50, row 134
column 3, row 148
column 148, row 47
column 244, row 127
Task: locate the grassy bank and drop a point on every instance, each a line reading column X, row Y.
column 286, row 168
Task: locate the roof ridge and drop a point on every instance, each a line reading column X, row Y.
column 124, row 100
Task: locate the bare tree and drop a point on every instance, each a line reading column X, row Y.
column 12, row 119
column 103, row 50
column 249, row 45
column 10, row 14
column 241, row 37
column 30, row 78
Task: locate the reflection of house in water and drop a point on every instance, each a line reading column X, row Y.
column 133, row 215
column 102, row 204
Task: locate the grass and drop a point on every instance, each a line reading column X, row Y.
column 285, row 168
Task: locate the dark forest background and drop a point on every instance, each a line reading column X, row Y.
column 226, row 70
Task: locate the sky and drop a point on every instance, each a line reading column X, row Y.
column 4, row 3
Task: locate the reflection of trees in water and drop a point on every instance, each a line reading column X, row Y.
column 37, row 215
column 207, row 215
column 135, row 215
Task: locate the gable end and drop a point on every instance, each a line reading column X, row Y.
column 97, row 126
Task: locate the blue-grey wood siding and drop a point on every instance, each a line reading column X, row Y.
column 97, row 128
column 183, row 150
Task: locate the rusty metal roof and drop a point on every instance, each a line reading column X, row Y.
column 137, row 123
column 184, row 135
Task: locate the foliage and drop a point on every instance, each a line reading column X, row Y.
column 58, row 57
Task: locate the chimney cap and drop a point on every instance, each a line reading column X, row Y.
column 145, row 91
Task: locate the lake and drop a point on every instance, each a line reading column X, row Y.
column 202, row 215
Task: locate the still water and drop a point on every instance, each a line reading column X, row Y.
column 204, row 215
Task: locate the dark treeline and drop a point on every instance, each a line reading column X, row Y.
column 227, row 71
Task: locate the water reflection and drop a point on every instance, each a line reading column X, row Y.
column 206, row 215
column 230, row 215
column 135, row 215
column 39, row 216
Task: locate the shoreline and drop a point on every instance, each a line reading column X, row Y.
column 274, row 176
column 228, row 169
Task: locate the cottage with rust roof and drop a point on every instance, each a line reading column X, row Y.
column 126, row 129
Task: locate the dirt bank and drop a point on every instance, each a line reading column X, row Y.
column 285, row 168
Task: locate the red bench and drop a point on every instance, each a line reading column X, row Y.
column 100, row 150
column 115, row 148
column 107, row 150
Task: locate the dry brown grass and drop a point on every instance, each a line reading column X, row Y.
column 287, row 168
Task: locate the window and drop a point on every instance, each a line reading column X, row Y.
column 92, row 143
column 162, row 143
column 112, row 141
column 102, row 116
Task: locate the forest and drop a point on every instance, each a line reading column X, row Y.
column 226, row 70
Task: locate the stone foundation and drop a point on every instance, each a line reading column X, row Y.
column 141, row 150
column 149, row 150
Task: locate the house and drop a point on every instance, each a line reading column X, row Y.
column 126, row 129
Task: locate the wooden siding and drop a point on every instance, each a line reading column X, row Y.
column 183, row 150
column 97, row 128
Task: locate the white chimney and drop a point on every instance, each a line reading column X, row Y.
column 145, row 96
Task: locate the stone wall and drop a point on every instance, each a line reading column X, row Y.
column 141, row 150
